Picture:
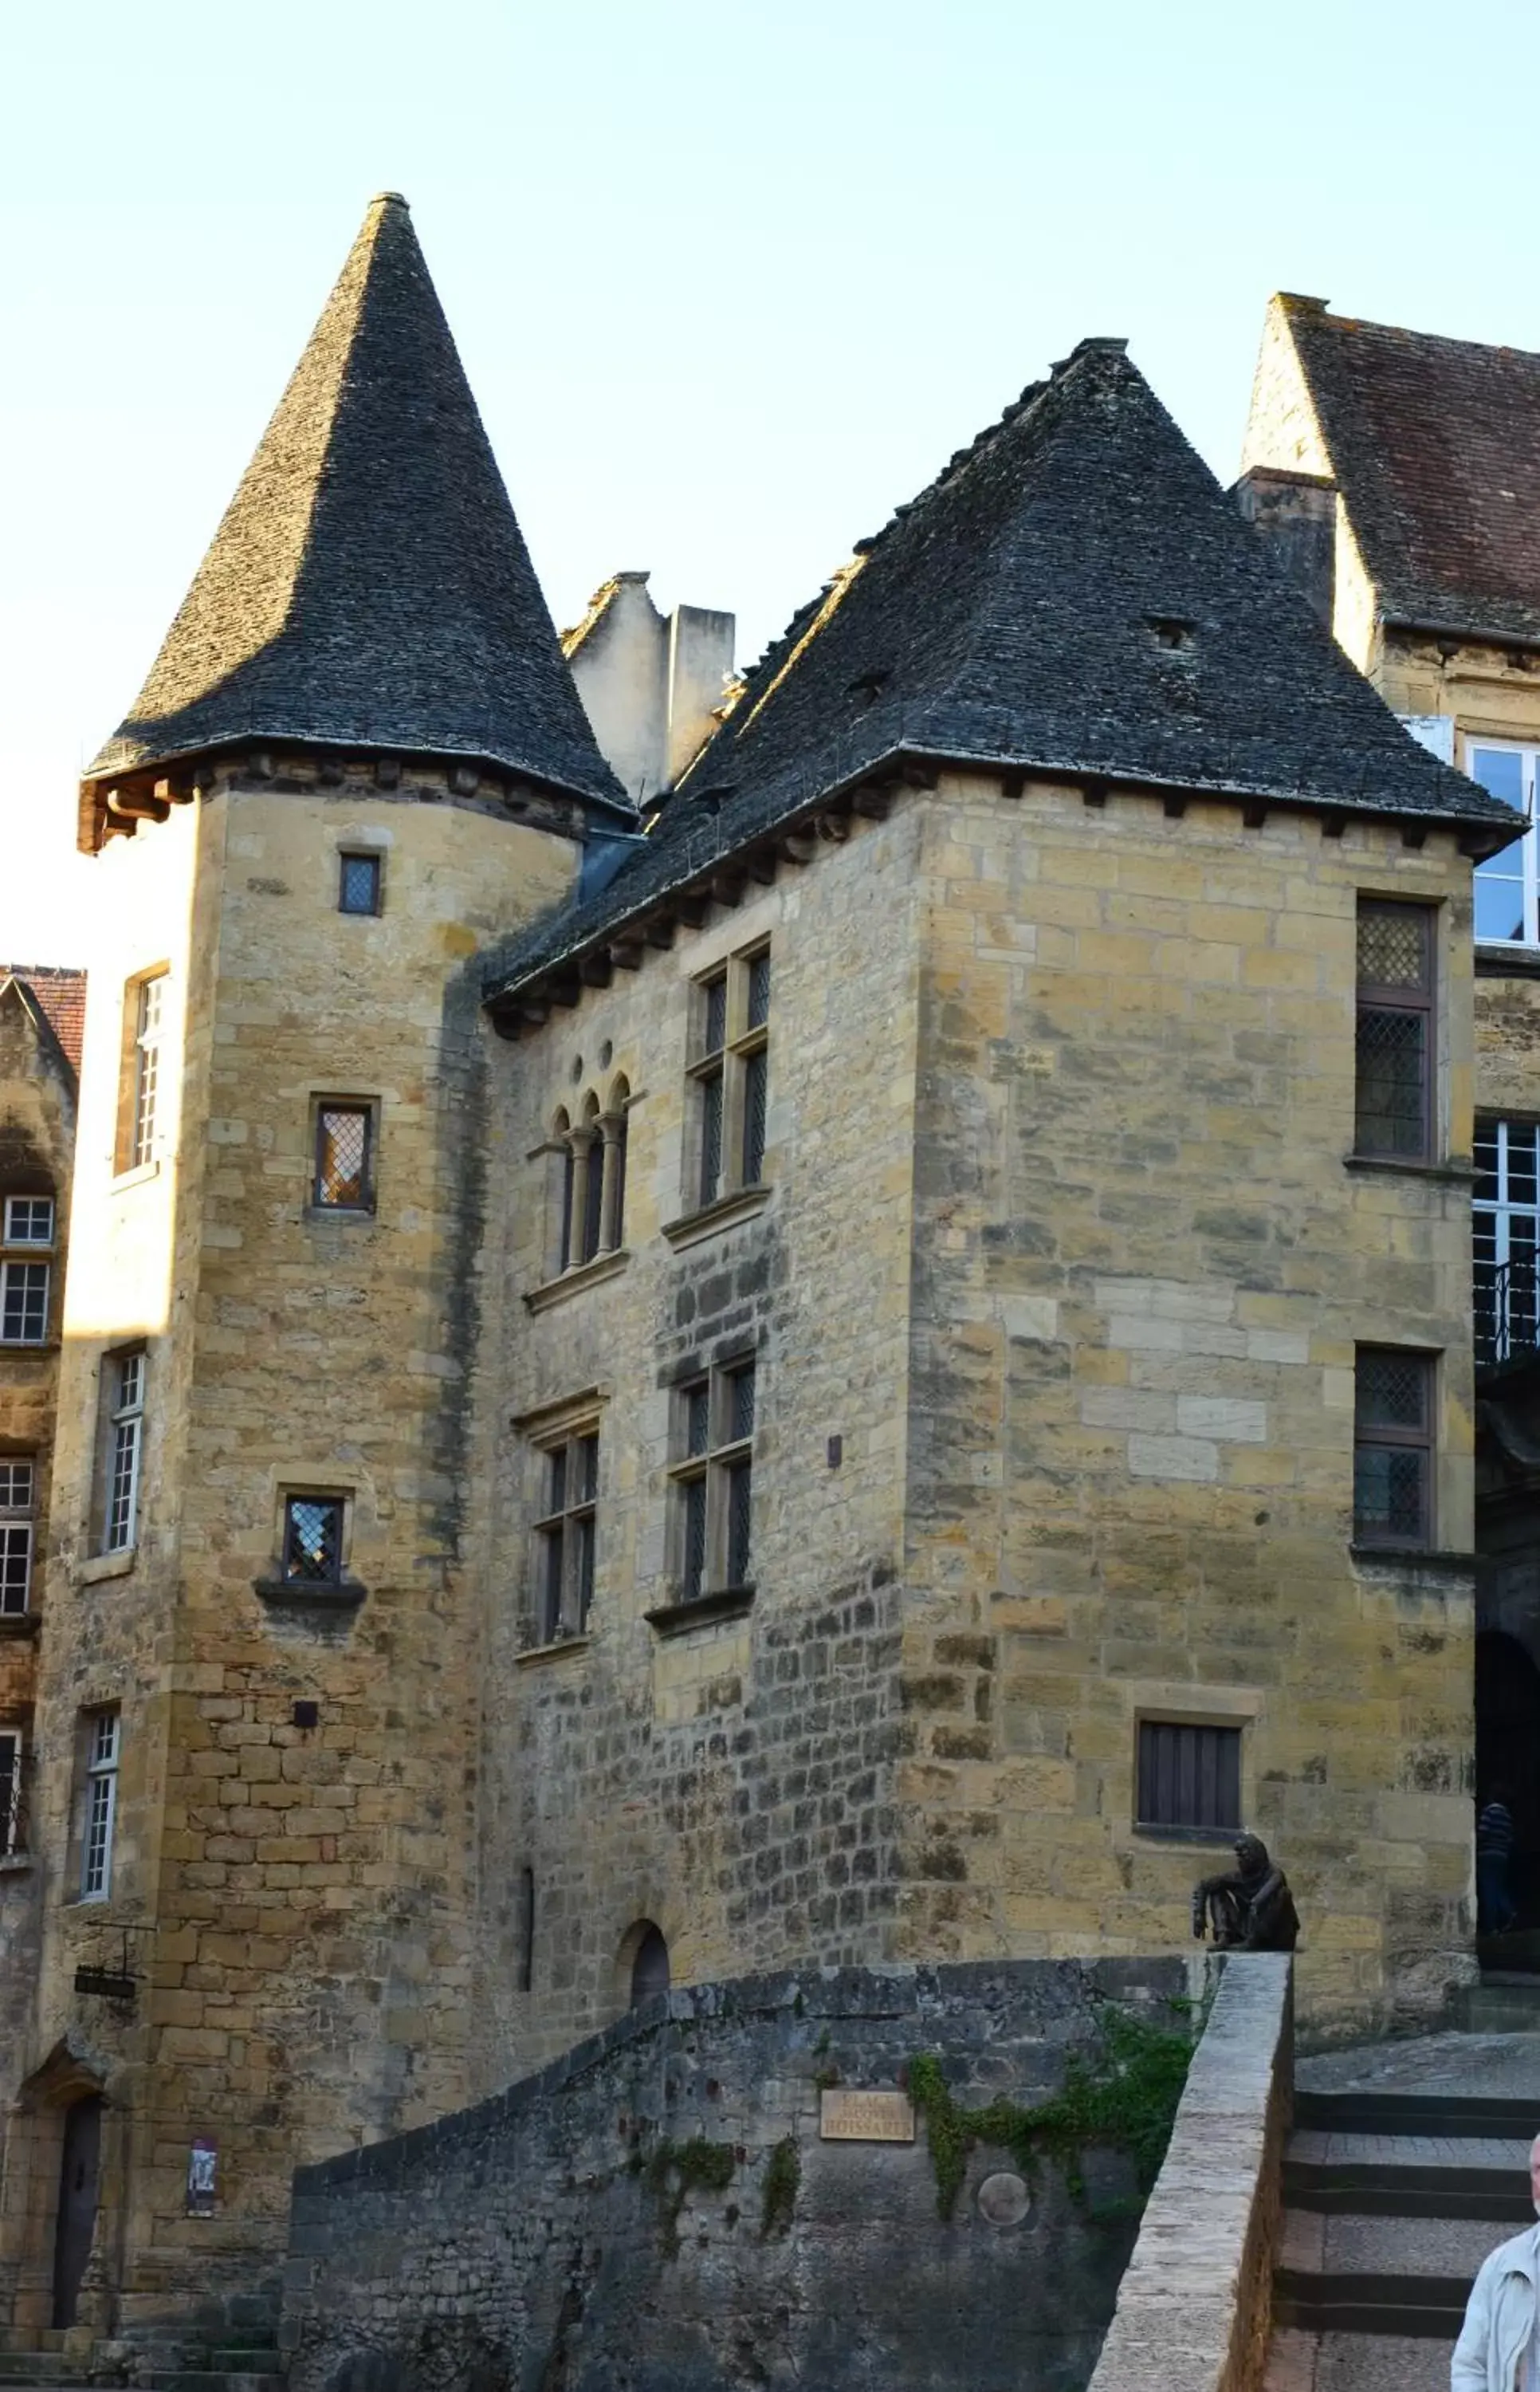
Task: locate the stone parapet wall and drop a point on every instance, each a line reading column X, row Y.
column 659, row 2208
column 1195, row 2304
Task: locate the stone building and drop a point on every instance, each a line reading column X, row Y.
column 1396, row 475
column 846, row 1366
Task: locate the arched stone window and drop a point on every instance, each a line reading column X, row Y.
column 649, row 1963
column 588, row 1190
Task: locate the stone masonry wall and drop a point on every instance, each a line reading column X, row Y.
column 292, row 1888
column 1141, row 1268
column 730, row 1781
column 544, row 2238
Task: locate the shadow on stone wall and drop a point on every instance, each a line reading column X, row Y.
column 664, row 2210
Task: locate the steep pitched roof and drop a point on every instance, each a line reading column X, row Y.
column 1073, row 594
column 59, row 995
column 1434, row 446
column 369, row 587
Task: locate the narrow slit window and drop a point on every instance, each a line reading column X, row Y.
column 124, row 1450
column 149, row 1014
column 12, row 1826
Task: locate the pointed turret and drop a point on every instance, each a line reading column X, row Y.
column 369, row 589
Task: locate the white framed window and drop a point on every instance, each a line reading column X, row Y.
column 101, row 1805
column 18, row 1484
column 148, row 996
column 1505, row 1236
column 714, row 1480
column 1507, row 886
column 125, row 1390
column 23, row 1303
column 12, row 1823
column 29, row 1221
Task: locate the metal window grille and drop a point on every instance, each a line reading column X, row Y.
column 146, row 1068
column 101, row 1805
column 567, row 1538
column 342, row 1159
column 29, row 1220
column 1189, row 1775
column 313, row 1540
column 1393, row 1088
column 23, row 1303
column 1507, row 886
column 1393, row 1448
column 1505, row 1241
column 358, row 885
column 12, row 1829
column 124, row 1450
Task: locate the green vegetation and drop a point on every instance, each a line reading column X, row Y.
column 1121, row 2097
column 677, row 2169
column 783, row 2177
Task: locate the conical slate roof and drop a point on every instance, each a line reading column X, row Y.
column 369, row 587
column 1075, row 595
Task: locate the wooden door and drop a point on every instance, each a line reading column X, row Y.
column 78, row 2174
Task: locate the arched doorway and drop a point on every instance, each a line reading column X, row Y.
column 649, row 1963
column 1507, row 1755
column 78, row 2179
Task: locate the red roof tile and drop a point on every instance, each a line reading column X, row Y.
column 60, row 996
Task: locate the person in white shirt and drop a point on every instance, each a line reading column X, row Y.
column 1499, row 2348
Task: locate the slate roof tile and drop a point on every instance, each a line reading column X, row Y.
column 368, row 586
column 1074, row 593
column 1435, row 449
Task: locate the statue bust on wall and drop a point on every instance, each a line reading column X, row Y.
column 1247, row 1908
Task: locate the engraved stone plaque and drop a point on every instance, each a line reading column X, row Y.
column 1003, row 2199
column 848, row 2116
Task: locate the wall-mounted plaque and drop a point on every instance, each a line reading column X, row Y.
column 846, row 2116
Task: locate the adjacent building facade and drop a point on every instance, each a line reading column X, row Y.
column 856, row 1360
column 1397, row 477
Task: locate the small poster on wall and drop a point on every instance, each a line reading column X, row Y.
column 201, row 2162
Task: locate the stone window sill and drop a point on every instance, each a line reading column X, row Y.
column 1505, row 960
column 314, row 1594
column 1417, row 1561
column 19, row 1624
column 701, row 1611
column 1457, row 1175
column 534, row 1654
column 102, row 1565
column 340, row 1212
column 581, row 1276
column 122, row 1180
column 1221, row 1839
column 725, row 1214
column 15, row 1864
column 28, row 1344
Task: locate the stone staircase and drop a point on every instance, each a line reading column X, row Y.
column 1399, row 2179
column 231, row 2347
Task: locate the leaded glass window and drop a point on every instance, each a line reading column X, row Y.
column 731, row 1072
column 313, row 1540
column 1394, row 1446
column 344, row 1158
column 713, row 1480
column 565, row 1536
column 1394, row 1077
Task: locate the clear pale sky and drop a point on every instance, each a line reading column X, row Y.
column 728, row 280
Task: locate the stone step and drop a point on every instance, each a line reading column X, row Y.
column 1349, row 2243
column 38, row 2367
column 1460, row 2118
column 1422, row 2307
column 199, row 2379
column 1382, row 2362
column 1409, row 2176
column 1502, row 2006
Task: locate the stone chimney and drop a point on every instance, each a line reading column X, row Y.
column 649, row 682
column 1295, row 515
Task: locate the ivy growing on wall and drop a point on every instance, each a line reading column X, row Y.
column 1119, row 2096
